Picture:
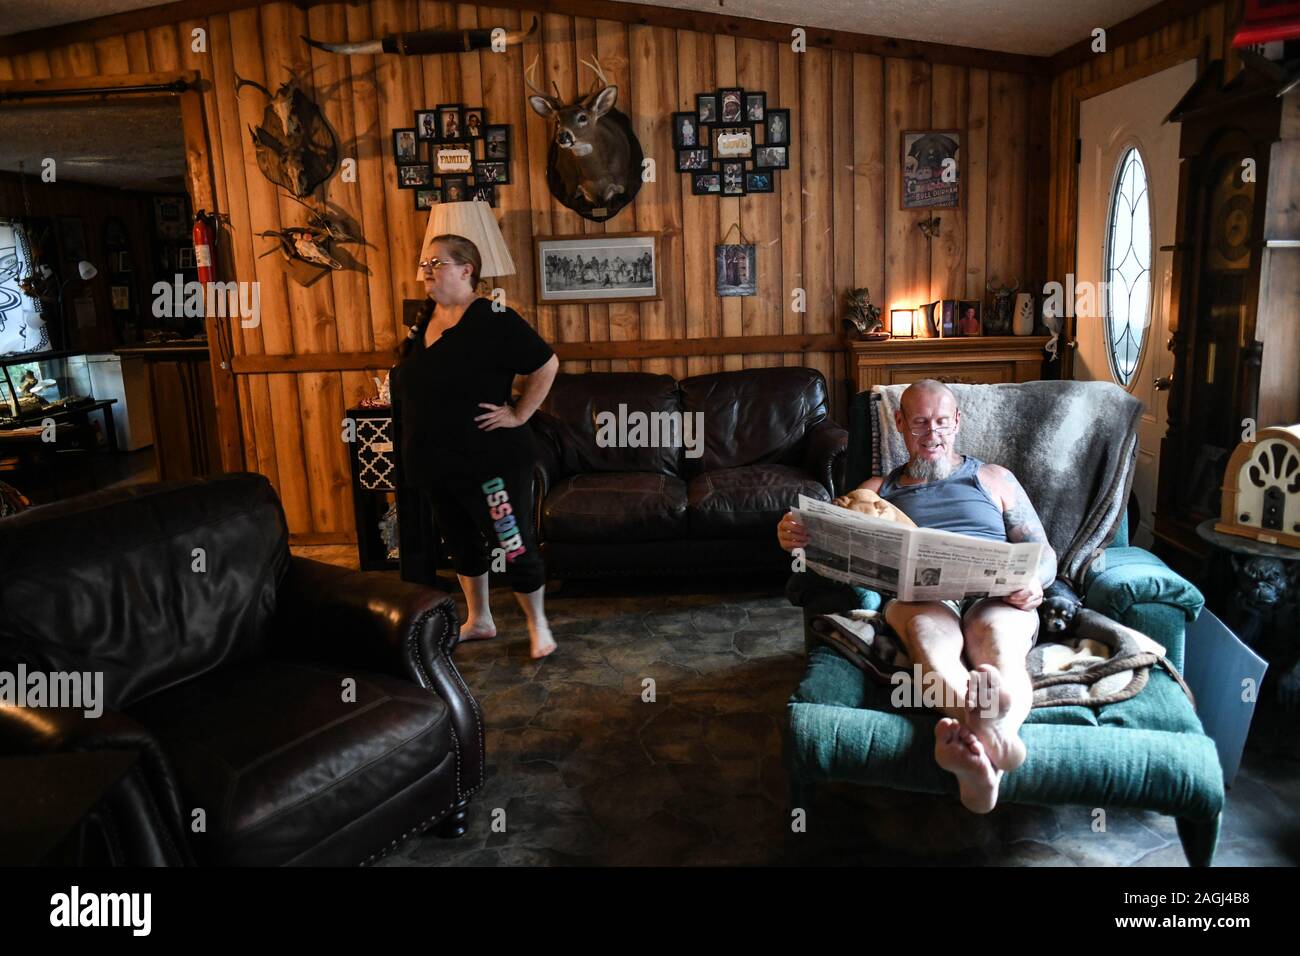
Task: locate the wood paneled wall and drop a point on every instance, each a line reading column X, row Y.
column 833, row 223
column 1205, row 32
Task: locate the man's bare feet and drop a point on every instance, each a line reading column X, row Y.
column 960, row 752
column 479, row 630
column 543, row 644
column 987, row 702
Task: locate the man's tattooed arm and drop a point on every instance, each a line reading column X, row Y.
column 1023, row 524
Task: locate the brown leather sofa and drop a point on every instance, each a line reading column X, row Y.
column 605, row 509
column 226, row 665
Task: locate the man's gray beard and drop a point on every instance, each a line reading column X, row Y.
column 929, row 469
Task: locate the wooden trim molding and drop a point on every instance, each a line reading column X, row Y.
column 637, row 13
column 566, row 351
column 1136, row 27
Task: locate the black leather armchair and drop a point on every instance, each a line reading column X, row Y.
column 284, row 711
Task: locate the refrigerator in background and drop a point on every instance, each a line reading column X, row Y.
column 125, row 379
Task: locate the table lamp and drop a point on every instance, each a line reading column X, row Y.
column 474, row 221
column 902, row 323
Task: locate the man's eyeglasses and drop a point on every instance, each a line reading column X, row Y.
column 436, row 263
column 919, row 430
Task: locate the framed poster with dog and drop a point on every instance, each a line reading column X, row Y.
column 931, row 169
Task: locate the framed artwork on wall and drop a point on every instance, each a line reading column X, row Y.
column 597, row 267
column 931, row 169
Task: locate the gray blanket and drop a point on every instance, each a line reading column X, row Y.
column 1072, row 445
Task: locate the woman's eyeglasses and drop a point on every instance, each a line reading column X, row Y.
column 435, row 263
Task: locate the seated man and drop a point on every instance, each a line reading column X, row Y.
column 979, row 738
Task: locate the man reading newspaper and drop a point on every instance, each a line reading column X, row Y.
column 974, row 648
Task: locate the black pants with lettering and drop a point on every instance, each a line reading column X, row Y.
column 484, row 510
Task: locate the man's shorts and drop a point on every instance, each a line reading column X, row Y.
column 960, row 608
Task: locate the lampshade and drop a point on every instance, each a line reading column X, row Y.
column 902, row 323
column 87, row 270
column 474, row 221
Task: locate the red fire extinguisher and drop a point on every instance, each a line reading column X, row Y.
column 204, row 248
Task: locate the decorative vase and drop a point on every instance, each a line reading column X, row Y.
column 1024, row 314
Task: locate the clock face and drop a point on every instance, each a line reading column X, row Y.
column 1232, row 207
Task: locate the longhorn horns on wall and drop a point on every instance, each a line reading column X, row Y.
column 425, row 42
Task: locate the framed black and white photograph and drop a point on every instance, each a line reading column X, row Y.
column 609, row 267
column 686, row 130
column 449, row 121
column 474, row 122
column 491, row 173
column 412, row 177
column 731, row 106
column 706, row 184
column 484, row 193
column 406, row 149
column 690, row 160
column 706, row 107
column 733, row 178
column 496, row 142
column 931, row 169
column 733, row 142
column 777, row 128
column 755, row 107
column 759, row 181
column 426, row 124
column 737, row 269
column 426, row 198
column 772, row 157
column 451, row 158
column 455, row 189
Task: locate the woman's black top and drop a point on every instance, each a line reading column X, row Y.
column 440, row 388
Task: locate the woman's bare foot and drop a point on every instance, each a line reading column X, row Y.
column 479, row 630
column 960, row 752
column 987, row 702
column 543, row 644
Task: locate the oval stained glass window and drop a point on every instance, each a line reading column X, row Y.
column 1128, row 267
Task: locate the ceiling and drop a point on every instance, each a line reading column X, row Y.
column 1035, row 27
column 128, row 144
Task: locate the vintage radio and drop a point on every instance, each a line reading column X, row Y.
column 1261, row 488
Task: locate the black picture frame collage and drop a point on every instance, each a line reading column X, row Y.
column 452, row 154
column 718, row 146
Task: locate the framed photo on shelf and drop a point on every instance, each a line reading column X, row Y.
column 706, row 184
column 970, row 320
column 596, row 267
column 496, row 142
column 406, row 148
column 931, row 169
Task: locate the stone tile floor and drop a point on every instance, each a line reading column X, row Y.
column 587, row 772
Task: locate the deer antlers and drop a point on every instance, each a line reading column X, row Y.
column 599, row 83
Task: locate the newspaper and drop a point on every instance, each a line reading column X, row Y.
column 915, row 564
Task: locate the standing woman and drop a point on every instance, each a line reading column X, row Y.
column 462, row 440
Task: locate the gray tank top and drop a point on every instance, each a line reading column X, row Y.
column 957, row 503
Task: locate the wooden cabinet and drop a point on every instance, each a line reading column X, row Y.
column 184, row 409
column 984, row 360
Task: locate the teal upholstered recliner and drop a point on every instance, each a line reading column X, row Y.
column 1148, row 752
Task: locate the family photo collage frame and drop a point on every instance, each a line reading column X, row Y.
column 452, row 154
column 718, row 145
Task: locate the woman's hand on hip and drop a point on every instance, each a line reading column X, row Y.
column 498, row 416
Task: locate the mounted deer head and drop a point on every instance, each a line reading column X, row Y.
column 594, row 163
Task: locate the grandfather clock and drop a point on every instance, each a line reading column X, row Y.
column 1235, row 289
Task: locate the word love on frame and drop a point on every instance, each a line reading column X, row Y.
column 732, row 144
column 452, row 154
